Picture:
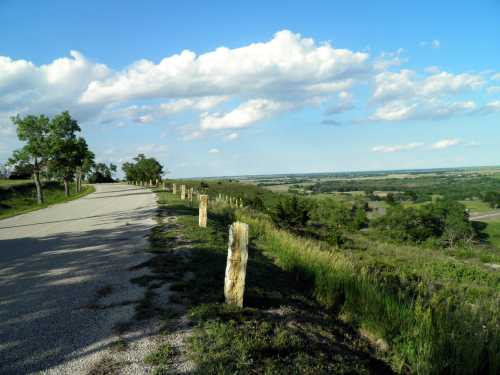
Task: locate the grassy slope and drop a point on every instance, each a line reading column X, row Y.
column 21, row 203
column 282, row 330
column 438, row 313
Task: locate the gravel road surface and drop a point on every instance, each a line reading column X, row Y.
column 64, row 281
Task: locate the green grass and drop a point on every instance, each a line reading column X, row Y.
column 428, row 306
column 6, row 183
column 476, row 206
column 493, row 231
column 282, row 329
column 17, row 201
column 435, row 310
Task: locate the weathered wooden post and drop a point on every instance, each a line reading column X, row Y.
column 190, row 196
column 236, row 267
column 174, row 188
column 183, row 192
column 202, row 213
column 157, row 183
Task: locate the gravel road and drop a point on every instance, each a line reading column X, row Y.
column 64, row 280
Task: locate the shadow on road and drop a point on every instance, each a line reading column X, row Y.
column 48, row 285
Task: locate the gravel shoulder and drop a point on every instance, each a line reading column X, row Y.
column 66, row 297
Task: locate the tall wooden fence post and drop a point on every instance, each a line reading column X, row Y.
column 202, row 213
column 174, row 188
column 190, row 196
column 183, row 192
column 236, row 267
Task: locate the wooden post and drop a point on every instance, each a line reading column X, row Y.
column 165, row 185
column 174, row 188
column 202, row 213
column 190, row 196
column 183, row 192
column 157, row 183
column 236, row 267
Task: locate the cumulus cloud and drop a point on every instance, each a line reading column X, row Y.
column 406, row 95
column 286, row 61
column 398, row 148
column 445, row 143
column 407, row 84
column 344, row 103
column 425, row 110
column 48, row 88
column 244, row 115
column 213, row 151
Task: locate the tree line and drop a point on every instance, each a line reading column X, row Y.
column 55, row 150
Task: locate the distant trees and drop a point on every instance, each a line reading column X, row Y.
column 52, row 147
column 492, row 198
column 444, row 221
column 102, row 172
column 328, row 219
column 143, row 169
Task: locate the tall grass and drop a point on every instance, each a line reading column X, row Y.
column 443, row 331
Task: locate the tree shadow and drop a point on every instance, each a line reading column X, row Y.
column 48, row 287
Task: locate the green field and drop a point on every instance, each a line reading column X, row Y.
column 476, row 206
column 6, row 183
column 18, row 198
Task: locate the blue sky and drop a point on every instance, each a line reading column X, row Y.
column 256, row 87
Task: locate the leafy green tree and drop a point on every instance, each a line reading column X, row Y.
column 67, row 151
column 492, row 198
column 336, row 219
column 292, row 213
column 144, row 169
column 102, row 173
column 86, row 158
column 35, row 154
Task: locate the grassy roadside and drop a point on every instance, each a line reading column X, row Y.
column 23, row 202
column 283, row 329
column 432, row 311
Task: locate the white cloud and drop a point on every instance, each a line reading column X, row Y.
column 493, row 90
column 231, row 136
column 344, row 103
column 242, row 116
column 288, row 61
column 425, row 110
column 389, row 59
column 398, row 148
column 151, row 149
column 445, row 143
column 405, row 84
column 213, row 151
column 48, row 88
column 496, row 77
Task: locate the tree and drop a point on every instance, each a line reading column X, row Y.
column 292, row 213
column 86, row 163
column 67, row 151
column 337, row 219
column 144, row 169
column 102, row 173
column 34, row 155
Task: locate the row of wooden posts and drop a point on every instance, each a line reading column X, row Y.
column 237, row 253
